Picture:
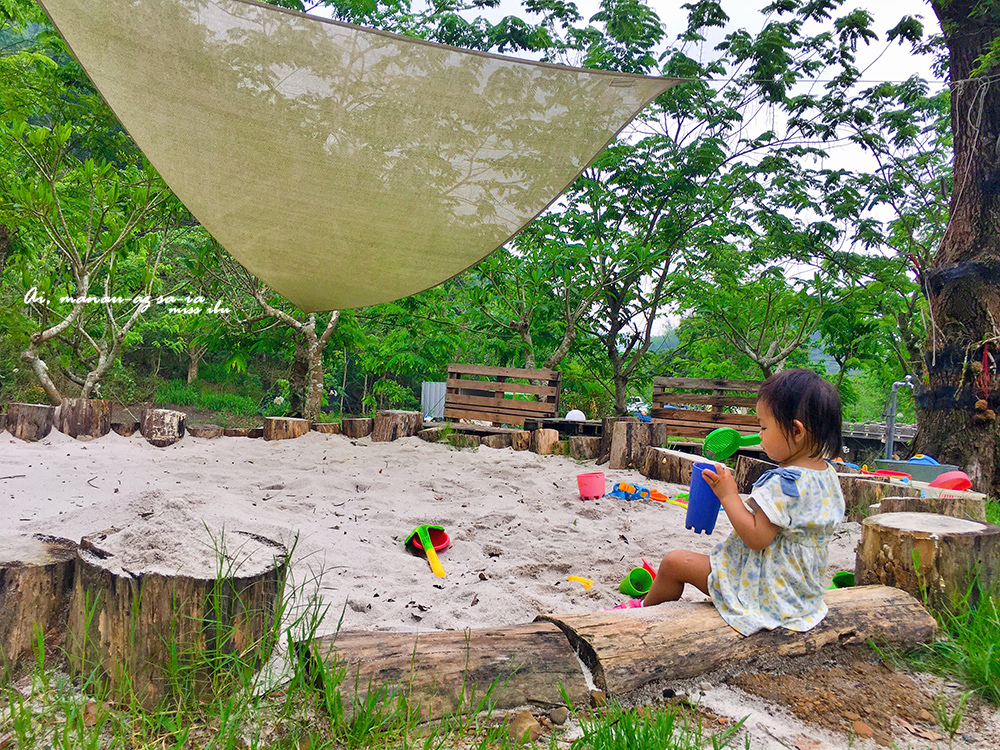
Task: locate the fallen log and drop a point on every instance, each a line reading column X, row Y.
column 391, row 425
column 135, row 614
column 665, row 465
column 86, row 417
column 36, row 579
column 444, row 672
column 284, row 428
column 937, row 558
column 626, row 649
column 29, row 422
column 432, row 434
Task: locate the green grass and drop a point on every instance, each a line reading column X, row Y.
column 969, row 649
column 221, row 700
column 177, row 392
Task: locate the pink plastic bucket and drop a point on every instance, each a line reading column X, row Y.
column 591, row 485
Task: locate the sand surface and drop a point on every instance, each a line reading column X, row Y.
column 517, row 524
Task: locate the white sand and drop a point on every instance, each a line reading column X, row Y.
column 517, row 524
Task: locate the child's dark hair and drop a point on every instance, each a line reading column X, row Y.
column 803, row 395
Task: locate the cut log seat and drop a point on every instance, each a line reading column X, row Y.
column 623, row 650
column 444, row 672
column 626, row 649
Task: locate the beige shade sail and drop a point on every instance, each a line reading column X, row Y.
column 341, row 165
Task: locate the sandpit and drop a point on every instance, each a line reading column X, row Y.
column 517, row 524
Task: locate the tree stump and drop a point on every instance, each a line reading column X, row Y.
column 503, row 440
column 29, row 422
column 327, row 428
column 142, row 602
column 87, row 417
column 931, row 556
column 36, row 579
column 629, row 442
column 464, row 440
column 543, row 442
column 357, row 428
column 584, row 448
column 520, row 440
column 392, row 425
column 431, row 434
column 749, row 470
column 607, row 435
column 666, row 465
column 863, row 491
column 126, row 429
column 968, row 506
column 207, row 431
column 285, row 428
column 162, row 427
column 236, row 432
column 255, row 433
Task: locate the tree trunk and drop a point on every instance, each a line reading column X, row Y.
column 957, row 405
column 36, row 579
column 6, row 241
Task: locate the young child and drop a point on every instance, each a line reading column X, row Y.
column 770, row 571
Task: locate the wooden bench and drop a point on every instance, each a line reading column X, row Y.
column 501, row 395
column 718, row 394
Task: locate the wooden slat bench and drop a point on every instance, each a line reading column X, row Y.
column 707, row 392
column 496, row 394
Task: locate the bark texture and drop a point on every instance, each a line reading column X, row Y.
column 630, row 648
column 960, row 394
column 446, row 672
column 36, row 579
column 939, row 559
column 136, row 627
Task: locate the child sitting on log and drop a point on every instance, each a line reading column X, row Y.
column 769, row 572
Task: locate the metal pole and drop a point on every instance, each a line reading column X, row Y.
column 890, row 417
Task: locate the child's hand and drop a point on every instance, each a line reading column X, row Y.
column 721, row 481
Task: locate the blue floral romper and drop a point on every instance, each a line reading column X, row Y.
column 781, row 585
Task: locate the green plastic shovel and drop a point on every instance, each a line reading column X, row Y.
column 423, row 533
column 725, row 441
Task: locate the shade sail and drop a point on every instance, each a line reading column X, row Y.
column 343, row 166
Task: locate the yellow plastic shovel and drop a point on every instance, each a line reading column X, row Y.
column 423, row 533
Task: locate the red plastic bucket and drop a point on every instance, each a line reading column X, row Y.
column 439, row 538
column 591, row 485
